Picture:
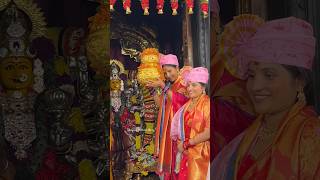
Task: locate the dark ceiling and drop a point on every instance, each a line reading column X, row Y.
column 67, row 12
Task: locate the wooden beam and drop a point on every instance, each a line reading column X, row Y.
column 259, row 7
column 243, row 6
column 187, row 40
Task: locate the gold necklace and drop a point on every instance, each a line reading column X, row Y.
column 192, row 104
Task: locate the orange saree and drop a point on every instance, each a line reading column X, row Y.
column 293, row 153
column 163, row 143
column 191, row 123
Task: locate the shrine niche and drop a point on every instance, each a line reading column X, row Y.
column 22, row 79
column 134, row 112
column 53, row 96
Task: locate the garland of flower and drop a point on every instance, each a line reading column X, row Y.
column 160, row 4
column 149, row 119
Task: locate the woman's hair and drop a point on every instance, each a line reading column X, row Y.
column 170, row 65
column 306, row 76
column 203, row 84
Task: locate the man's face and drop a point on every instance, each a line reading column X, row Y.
column 170, row 73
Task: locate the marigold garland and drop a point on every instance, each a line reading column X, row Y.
column 149, row 69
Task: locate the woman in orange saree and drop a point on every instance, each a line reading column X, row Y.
column 191, row 126
column 282, row 143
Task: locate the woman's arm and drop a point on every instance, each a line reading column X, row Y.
column 202, row 137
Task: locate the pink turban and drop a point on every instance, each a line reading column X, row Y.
column 169, row 59
column 287, row 41
column 199, row 74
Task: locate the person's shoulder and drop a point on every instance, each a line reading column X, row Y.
column 311, row 130
column 312, row 124
column 207, row 98
column 312, row 119
column 309, row 146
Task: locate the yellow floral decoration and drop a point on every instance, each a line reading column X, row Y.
column 76, row 121
column 98, row 42
column 87, row 170
column 138, row 137
column 149, row 68
column 150, row 131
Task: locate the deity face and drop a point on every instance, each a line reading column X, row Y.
column 16, row 73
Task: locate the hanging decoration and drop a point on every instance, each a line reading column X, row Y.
column 112, row 2
column 127, row 6
column 160, row 4
column 174, row 7
column 190, row 6
column 145, row 5
column 138, row 122
column 204, row 7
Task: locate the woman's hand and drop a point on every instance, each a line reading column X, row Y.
column 180, row 147
column 191, row 142
column 201, row 137
column 155, row 84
